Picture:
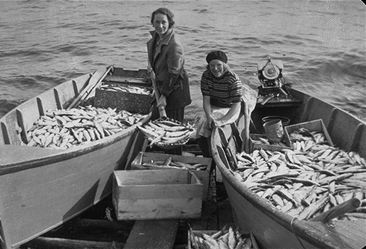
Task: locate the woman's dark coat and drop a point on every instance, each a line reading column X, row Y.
column 167, row 61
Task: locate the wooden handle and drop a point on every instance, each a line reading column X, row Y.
column 161, row 109
column 93, row 83
column 162, row 112
column 336, row 211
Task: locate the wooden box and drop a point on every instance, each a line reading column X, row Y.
column 314, row 125
column 156, row 194
column 131, row 102
column 111, row 93
column 153, row 158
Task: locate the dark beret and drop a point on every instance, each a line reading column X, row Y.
column 216, row 55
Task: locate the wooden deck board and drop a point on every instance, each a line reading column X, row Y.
column 152, row 234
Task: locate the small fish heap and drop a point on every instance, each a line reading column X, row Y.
column 308, row 180
column 170, row 163
column 62, row 129
column 166, row 132
column 226, row 238
column 264, row 140
column 127, row 88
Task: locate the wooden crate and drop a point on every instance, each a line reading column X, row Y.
column 132, row 102
column 106, row 96
column 156, row 194
column 150, row 157
column 314, row 125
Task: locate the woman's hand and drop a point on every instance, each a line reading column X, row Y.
column 221, row 122
column 210, row 121
column 161, row 101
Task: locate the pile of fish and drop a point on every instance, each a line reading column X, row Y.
column 226, row 238
column 127, row 88
column 307, row 180
column 264, row 140
column 171, row 163
column 63, row 129
column 166, row 132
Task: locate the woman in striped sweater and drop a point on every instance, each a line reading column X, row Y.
column 222, row 94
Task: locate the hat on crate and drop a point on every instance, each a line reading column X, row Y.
column 270, row 71
column 216, row 55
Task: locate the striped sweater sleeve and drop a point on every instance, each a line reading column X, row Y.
column 236, row 90
column 205, row 81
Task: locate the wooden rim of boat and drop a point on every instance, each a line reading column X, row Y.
column 60, row 155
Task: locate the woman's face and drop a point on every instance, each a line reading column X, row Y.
column 161, row 23
column 217, row 67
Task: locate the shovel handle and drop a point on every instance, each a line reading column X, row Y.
column 161, row 109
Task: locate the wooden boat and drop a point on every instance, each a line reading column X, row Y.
column 276, row 229
column 41, row 188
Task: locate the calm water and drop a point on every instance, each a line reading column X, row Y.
column 321, row 43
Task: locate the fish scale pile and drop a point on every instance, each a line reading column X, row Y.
column 63, row 129
column 308, row 180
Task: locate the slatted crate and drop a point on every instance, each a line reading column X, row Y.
column 151, row 159
column 314, row 125
column 109, row 95
column 156, row 194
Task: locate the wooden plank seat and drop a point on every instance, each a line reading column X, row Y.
column 152, row 234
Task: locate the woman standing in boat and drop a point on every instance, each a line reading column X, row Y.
column 166, row 61
column 222, row 93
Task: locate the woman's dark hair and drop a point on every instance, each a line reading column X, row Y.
column 166, row 12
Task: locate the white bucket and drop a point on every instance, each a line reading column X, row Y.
column 274, row 130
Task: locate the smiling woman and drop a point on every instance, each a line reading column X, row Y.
column 222, row 93
column 166, row 59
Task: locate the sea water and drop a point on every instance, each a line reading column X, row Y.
column 322, row 44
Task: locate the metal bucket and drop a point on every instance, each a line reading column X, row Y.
column 274, row 130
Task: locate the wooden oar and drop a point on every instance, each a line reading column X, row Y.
column 339, row 210
column 93, row 83
column 161, row 109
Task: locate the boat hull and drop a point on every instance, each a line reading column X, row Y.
column 269, row 232
column 38, row 199
column 275, row 229
column 42, row 188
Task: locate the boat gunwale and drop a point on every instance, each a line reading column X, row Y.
column 307, row 95
column 68, row 153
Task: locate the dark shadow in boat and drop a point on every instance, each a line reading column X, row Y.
column 131, row 151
